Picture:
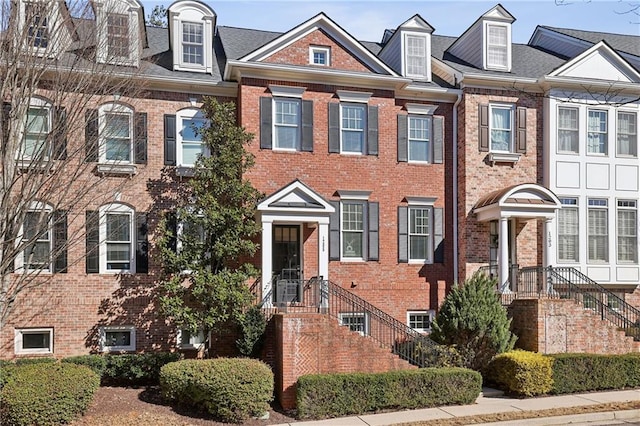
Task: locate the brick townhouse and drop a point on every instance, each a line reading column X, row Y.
column 392, row 169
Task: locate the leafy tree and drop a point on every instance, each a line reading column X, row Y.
column 157, row 17
column 204, row 282
column 473, row 320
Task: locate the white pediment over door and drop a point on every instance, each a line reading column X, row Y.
column 296, row 197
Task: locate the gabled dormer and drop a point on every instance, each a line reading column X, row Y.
column 408, row 49
column 191, row 29
column 487, row 43
column 43, row 28
column 120, row 31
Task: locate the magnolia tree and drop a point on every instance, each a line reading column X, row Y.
column 58, row 60
column 206, row 240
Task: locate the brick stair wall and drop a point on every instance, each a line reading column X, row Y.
column 559, row 325
column 314, row 343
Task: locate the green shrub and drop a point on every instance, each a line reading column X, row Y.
column 97, row 363
column 31, row 361
column 590, row 372
column 473, row 320
column 521, row 373
column 332, row 395
column 8, row 367
column 251, row 327
column 136, row 369
column 47, row 394
column 429, row 355
column 6, row 371
column 231, row 389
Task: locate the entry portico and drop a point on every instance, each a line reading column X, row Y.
column 524, row 202
column 290, row 208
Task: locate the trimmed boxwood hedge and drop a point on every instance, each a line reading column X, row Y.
column 231, row 389
column 590, row 372
column 46, row 394
column 333, row 395
column 521, row 373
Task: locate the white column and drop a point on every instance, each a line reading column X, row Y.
column 549, row 243
column 267, row 258
column 503, row 255
column 323, row 258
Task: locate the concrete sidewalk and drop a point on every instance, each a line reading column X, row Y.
column 491, row 402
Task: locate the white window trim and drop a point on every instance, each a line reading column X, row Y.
column 354, row 97
column 187, row 114
column 557, row 135
column 430, row 312
column 627, row 208
column 116, row 209
column 429, row 141
column 103, row 10
column 114, row 108
column 36, row 103
column 298, row 126
column 286, row 91
column 608, row 239
column 53, row 28
column 607, row 138
column 427, row 59
column 429, row 259
column 485, row 49
column 364, row 315
column 103, row 338
column 191, row 12
column 320, row 49
column 365, row 128
column 197, row 346
column 512, row 142
column 364, row 230
column 625, row 111
column 575, row 207
column 36, row 206
column 18, row 341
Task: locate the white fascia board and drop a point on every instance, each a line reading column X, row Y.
column 478, row 81
column 234, row 69
column 434, row 94
column 453, row 74
column 587, row 85
column 321, row 21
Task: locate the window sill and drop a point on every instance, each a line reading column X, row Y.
column 39, row 165
column 185, row 171
column 108, row 349
column 117, row 169
column 503, row 157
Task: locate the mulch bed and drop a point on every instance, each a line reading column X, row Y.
column 145, row 406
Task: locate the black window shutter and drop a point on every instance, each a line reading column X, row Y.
column 403, row 138
column 60, row 133
column 172, row 228
column 438, row 235
column 438, row 139
column 307, row 126
column 403, row 234
column 372, row 131
column 521, row 130
column 91, row 135
column 92, row 230
column 266, row 122
column 483, row 131
column 6, row 112
column 374, row 227
column 169, row 140
column 60, row 241
column 140, row 137
column 142, row 244
column 334, row 232
column 334, row 127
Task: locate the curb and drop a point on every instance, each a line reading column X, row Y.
column 570, row 419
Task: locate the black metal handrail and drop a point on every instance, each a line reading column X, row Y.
column 569, row 283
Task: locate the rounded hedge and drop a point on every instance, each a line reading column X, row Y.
column 47, row 394
column 231, row 389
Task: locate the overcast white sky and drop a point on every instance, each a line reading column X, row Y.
column 366, row 20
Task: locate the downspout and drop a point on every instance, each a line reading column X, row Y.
column 455, row 187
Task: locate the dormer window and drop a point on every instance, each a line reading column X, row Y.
column 191, row 28
column 38, row 24
column 118, row 32
column 415, row 52
column 118, row 35
column 498, row 55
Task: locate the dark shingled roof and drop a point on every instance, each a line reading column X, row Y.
column 621, row 42
column 238, row 42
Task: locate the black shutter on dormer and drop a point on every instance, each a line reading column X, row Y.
column 140, row 137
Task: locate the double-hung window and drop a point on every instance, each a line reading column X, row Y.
column 420, row 234
column 353, row 128
column 38, row 24
column 118, row 43
column 497, row 47
column 627, row 136
column 37, row 240
column 352, row 213
column 192, row 43
column 501, row 128
column 419, row 139
column 287, row 124
column 568, row 140
column 190, row 146
column 598, row 230
column 568, row 227
column 597, row 133
column 117, row 253
column 627, row 231
column 35, row 141
column 415, row 51
column 116, row 137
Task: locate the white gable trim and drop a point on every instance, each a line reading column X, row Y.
column 296, row 198
column 620, row 62
column 499, row 13
column 320, row 21
column 416, row 22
